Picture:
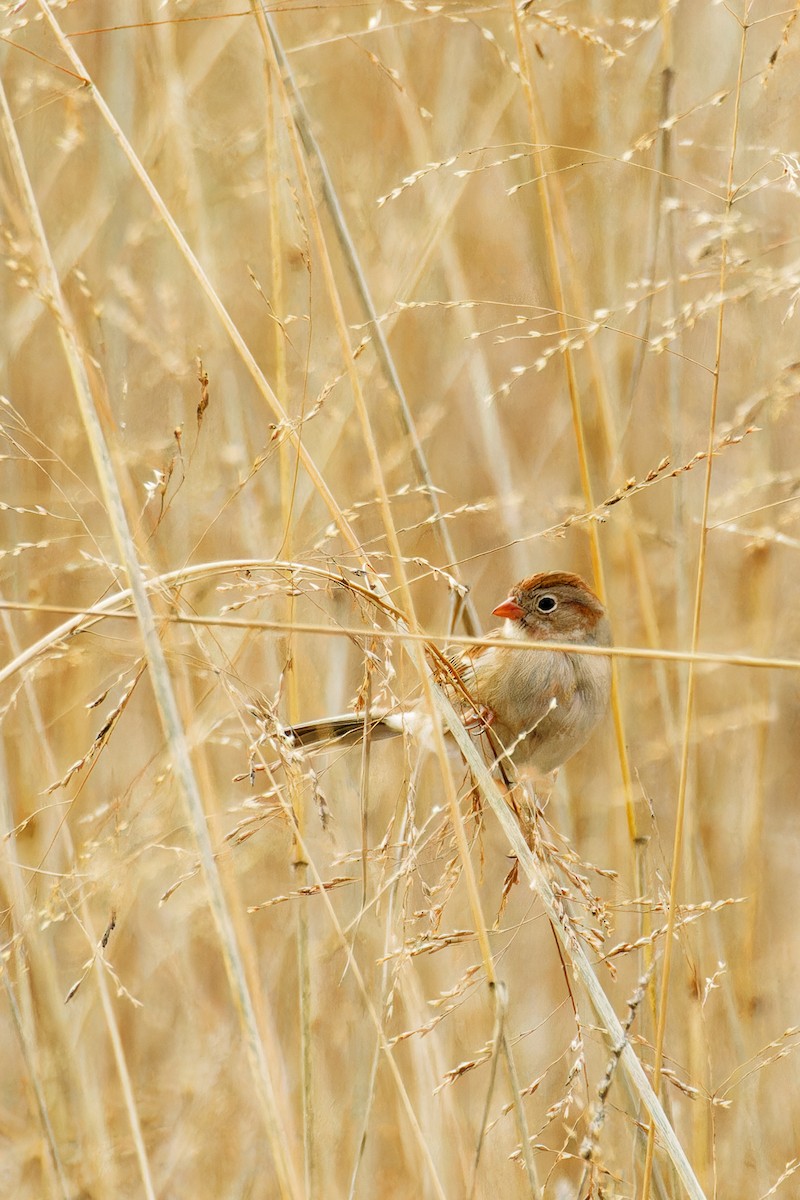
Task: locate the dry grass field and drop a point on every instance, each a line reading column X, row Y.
column 322, row 325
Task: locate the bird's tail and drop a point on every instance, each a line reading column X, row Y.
column 348, row 728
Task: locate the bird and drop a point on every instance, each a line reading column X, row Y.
column 534, row 707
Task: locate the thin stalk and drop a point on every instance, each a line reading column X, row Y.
column 51, row 292
column 163, row 690
column 289, row 465
column 316, row 158
column 408, row 619
column 106, row 610
column 680, row 816
column 28, row 1054
column 574, row 952
column 560, row 305
column 238, row 342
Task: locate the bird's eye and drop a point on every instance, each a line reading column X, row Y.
column 546, row 604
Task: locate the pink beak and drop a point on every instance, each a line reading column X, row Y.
column 509, row 608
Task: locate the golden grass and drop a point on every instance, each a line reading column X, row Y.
column 321, row 327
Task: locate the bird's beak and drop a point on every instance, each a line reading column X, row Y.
column 509, row 608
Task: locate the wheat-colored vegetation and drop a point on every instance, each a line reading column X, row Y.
column 323, row 325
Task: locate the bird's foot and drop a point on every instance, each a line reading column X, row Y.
column 479, row 719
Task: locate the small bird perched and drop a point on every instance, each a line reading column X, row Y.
column 537, row 706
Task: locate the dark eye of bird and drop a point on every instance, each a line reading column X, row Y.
column 546, row 604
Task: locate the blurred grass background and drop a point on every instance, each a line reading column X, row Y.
column 575, row 225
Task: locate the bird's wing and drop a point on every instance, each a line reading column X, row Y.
column 466, row 662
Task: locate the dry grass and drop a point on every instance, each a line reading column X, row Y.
column 313, row 319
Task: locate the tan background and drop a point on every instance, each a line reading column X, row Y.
column 520, row 152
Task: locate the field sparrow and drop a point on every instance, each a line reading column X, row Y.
column 538, row 707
